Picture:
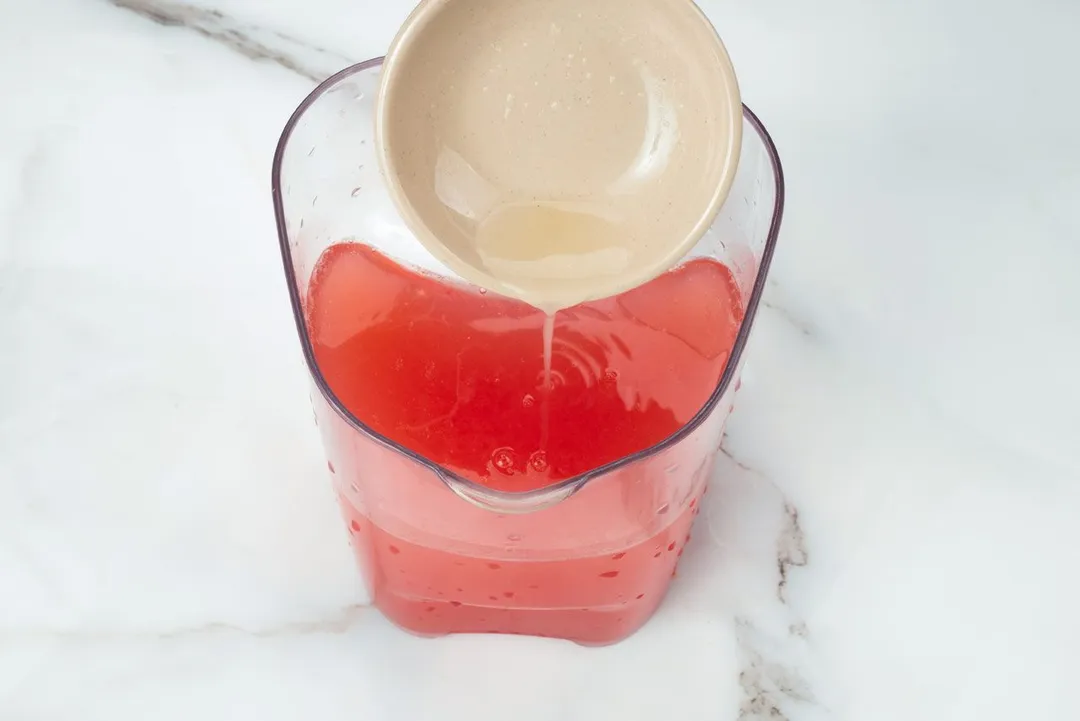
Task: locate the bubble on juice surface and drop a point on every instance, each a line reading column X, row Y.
column 538, row 461
column 528, row 401
column 503, row 460
column 556, row 380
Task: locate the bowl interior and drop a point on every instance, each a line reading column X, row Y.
column 554, row 149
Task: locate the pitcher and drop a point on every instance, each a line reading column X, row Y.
column 483, row 489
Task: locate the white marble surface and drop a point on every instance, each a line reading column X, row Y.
column 897, row 521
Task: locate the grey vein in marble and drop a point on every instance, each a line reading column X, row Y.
column 340, row 622
column 790, row 548
column 727, row 454
column 788, row 317
column 771, row 638
column 767, row 687
column 261, row 44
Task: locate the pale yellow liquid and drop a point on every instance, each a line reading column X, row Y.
column 545, row 412
column 551, row 255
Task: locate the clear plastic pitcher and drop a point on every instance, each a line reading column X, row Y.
column 445, row 549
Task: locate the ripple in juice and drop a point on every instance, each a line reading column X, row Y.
column 458, row 376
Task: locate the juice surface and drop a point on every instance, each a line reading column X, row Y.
column 458, row 376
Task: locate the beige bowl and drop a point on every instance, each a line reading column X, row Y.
column 558, row 151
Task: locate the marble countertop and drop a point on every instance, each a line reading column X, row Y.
column 897, row 514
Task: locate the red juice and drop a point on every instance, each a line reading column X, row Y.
column 458, row 377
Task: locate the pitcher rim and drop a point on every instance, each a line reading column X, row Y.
column 456, row 483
